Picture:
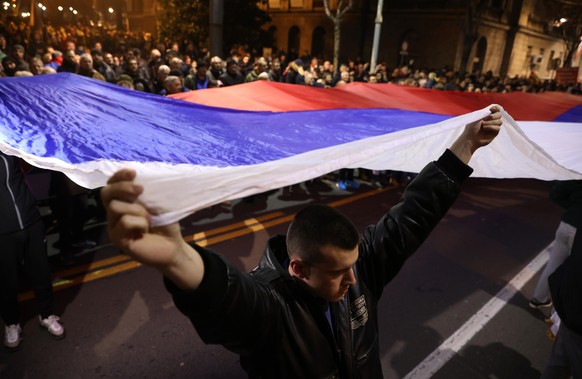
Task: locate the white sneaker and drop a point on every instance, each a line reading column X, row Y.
column 12, row 336
column 52, row 324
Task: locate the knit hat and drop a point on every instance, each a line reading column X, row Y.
column 124, row 77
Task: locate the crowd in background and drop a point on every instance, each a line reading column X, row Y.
column 136, row 61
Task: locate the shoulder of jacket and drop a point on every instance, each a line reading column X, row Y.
column 265, row 275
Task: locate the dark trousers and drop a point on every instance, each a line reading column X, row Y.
column 346, row 174
column 24, row 247
column 566, row 358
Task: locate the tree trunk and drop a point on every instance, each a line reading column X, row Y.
column 474, row 13
column 337, row 20
column 336, row 43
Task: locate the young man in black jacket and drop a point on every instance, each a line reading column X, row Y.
column 309, row 310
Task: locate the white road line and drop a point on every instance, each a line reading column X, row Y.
column 447, row 350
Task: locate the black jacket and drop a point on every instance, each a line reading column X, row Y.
column 568, row 194
column 17, row 205
column 281, row 330
column 566, row 288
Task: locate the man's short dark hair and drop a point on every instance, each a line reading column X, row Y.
column 177, row 73
column 202, row 64
column 230, row 62
column 317, row 226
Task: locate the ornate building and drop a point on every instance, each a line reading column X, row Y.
column 510, row 36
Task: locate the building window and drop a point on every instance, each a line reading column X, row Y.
column 138, row 6
column 273, row 35
column 497, row 4
column 479, row 59
column 293, row 42
column 296, row 3
column 318, row 42
column 408, row 46
column 274, row 4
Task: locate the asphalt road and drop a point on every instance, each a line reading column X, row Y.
column 121, row 323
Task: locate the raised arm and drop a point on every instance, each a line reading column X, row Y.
column 388, row 244
column 477, row 134
column 128, row 226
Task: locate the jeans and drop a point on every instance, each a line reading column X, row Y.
column 559, row 251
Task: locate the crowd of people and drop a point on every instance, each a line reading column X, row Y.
column 135, row 60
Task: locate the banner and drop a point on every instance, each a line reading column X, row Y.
column 190, row 156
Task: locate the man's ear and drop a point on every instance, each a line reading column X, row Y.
column 299, row 269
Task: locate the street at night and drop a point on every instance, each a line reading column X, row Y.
column 121, row 323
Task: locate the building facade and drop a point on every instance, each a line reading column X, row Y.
column 510, row 37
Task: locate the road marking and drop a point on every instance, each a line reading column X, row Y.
column 83, row 269
column 89, row 277
column 253, row 225
column 447, row 350
column 236, row 225
column 91, row 271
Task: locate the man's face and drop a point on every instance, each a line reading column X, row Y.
column 109, row 59
column 232, row 68
column 86, row 63
column 70, row 56
column 132, row 65
column 162, row 76
column 36, row 66
column 201, row 72
column 331, row 278
column 174, row 87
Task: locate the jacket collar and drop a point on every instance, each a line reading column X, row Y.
column 275, row 256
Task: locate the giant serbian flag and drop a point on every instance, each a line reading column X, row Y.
column 259, row 136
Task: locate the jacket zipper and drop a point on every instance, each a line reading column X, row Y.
column 12, row 194
column 335, row 330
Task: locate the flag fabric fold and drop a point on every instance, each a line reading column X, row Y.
column 192, row 155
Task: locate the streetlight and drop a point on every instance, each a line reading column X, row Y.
column 558, row 23
column 60, row 8
column 110, row 10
